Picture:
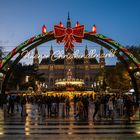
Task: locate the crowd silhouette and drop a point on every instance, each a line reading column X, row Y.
column 78, row 106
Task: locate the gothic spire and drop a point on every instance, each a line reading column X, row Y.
column 51, row 55
column 68, row 21
column 68, row 16
column 102, row 58
column 101, row 50
column 86, row 51
column 51, row 50
column 36, row 57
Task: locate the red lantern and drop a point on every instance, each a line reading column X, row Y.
column 94, row 28
column 44, row 30
column 60, row 24
column 77, row 24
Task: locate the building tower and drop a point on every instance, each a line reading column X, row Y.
column 68, row 21
column 51, row 55
column 86, row 66
column 102, row 70
column 36, row 57
column 69, row 58
column 102, row 58
column 51, row 68
column 86, row 51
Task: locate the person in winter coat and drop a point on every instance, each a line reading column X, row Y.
column 110, row 108
column 97, row 107
column 80, row 107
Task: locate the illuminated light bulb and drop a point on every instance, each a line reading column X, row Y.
column 60, row 24
column 44, row 30
column 77, row 24
column 94, row 28
column 130, row 68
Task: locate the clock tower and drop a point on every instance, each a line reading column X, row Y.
column 69, row 58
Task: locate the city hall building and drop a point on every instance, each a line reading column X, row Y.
column 69, row 68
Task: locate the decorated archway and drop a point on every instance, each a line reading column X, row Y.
column 69, row 36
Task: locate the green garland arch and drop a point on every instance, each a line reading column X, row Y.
column 39, row 37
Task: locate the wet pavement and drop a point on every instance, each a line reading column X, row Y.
column 34, row 126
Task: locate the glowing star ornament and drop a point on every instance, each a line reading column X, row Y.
column 44, row 30
column 94, row 28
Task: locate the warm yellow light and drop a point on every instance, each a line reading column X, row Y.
column 138, row 132
column 70, row 133
column 27, row 125
column 1, row 133
column 70, row 82
column 64, row 82
column 130, row 68
column 27, row 133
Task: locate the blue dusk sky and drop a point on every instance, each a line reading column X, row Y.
column 22, row 19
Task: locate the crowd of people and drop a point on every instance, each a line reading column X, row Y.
column 78, row 106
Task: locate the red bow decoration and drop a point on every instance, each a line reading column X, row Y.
column 69, row 35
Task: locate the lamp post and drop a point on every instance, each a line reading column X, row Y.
column 1, row 76
column 101, row 82
column 95, row 85
column 98, row 85
column 101, row 85
column 137, row 74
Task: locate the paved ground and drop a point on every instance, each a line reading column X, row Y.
column 36, row 127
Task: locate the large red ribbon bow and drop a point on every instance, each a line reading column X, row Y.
column 69, row 35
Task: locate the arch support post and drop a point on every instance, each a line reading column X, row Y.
column 135, row 86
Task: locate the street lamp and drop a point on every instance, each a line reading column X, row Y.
column 137, row 74
column 101, row 82
column 98, row 85
column 95, row 85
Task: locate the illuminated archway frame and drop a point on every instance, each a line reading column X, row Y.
column 44, row 37
column 87, row 36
